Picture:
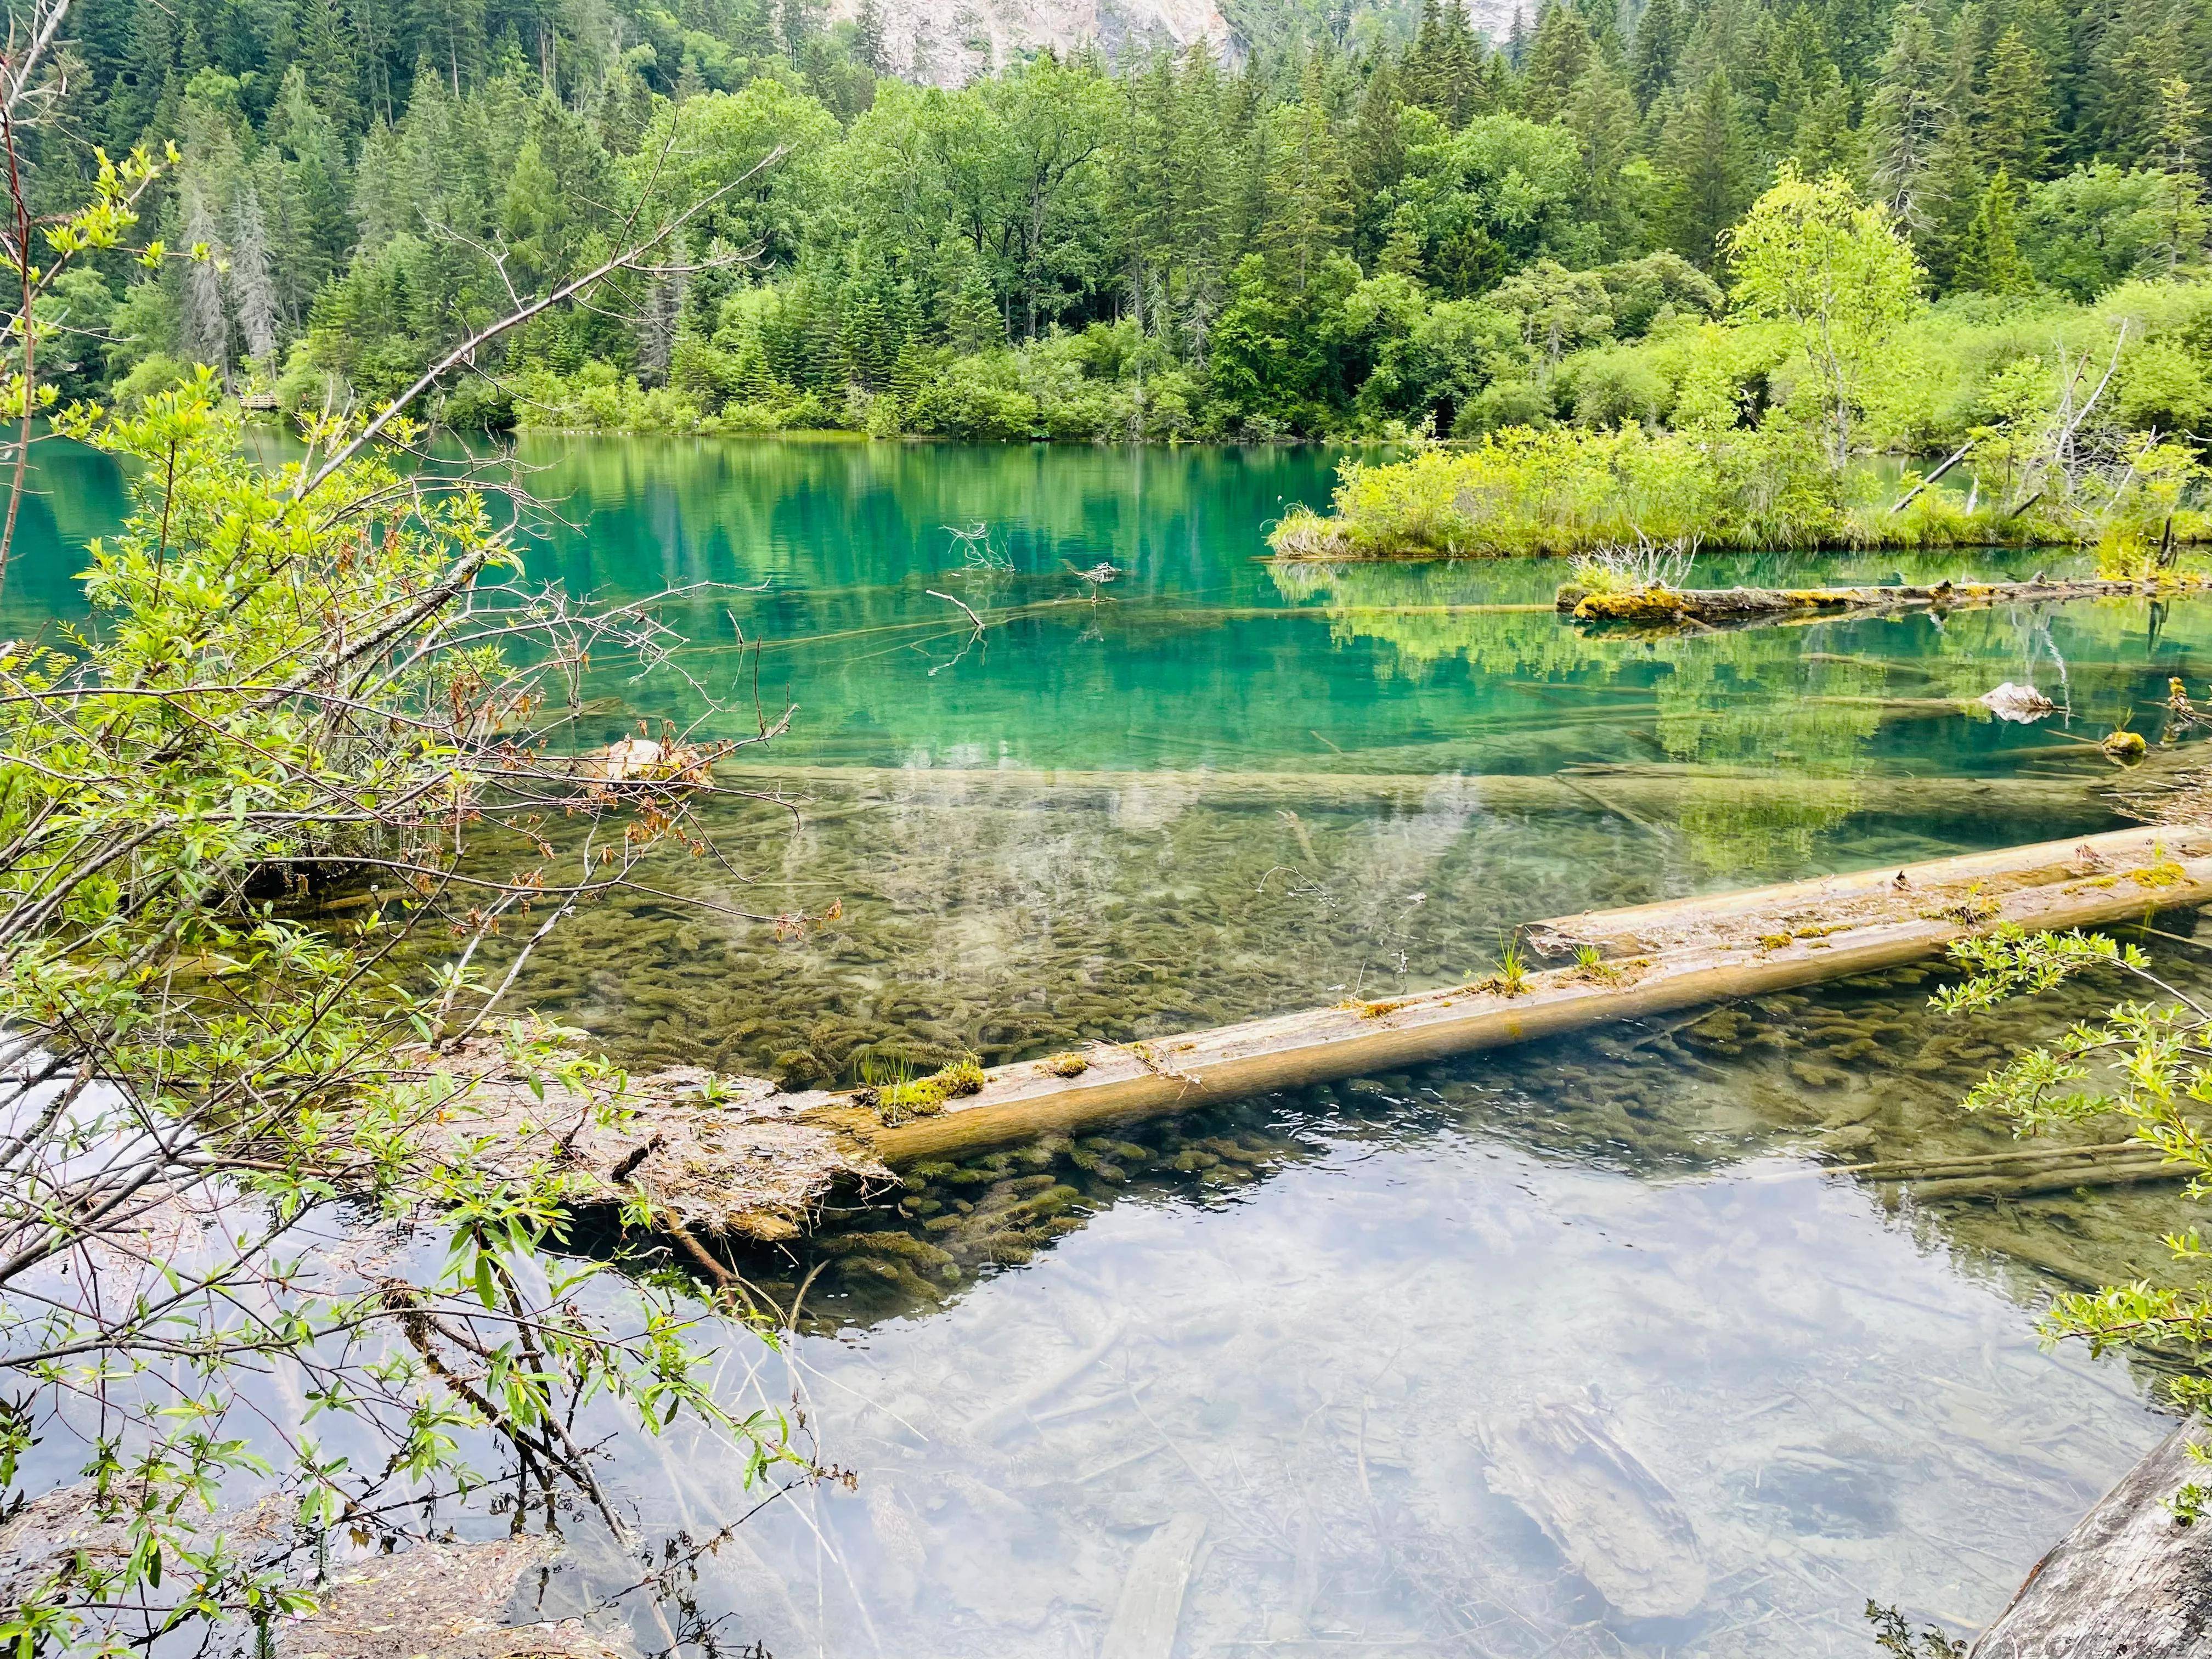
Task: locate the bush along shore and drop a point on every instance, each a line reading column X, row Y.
column 1758, row 429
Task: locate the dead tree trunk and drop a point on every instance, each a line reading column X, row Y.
column 2129, row 1582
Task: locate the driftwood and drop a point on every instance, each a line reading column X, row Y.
column 2130, row 1581
column 2136, row 1172
column 1717, row 605
column 755, row 1163
column 1653, row 958
column 1150, row 1603
column 1607, row 1514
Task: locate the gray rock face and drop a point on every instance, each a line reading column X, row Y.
column 948, row 43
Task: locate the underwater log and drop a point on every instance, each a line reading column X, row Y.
column 2130, row 1580
column 1728, row 605
column 1647, row 959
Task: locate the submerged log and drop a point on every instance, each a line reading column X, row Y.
column 722, row 1155
column 1652, row 958
column 2130, row 1581
column 1655, row 791
column 1716, row 605
column 1150, row 1603
column 1608, row 1514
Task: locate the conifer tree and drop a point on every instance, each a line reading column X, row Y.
column 1601, row 112
column 1989, row 260
column 2016, row 122
column 1563, row 49
column 1707, row 157
column 1657, row 46
column 1904, row 119
column 868, row 43
column 1375, row 155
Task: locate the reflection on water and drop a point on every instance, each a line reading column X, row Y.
column 1566, row 1352
column 1331, row 1380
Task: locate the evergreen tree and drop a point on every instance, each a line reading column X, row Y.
column 1375, row 155
column 869, row 46
column 1601, row 112
column 1904, row 119
column 1563, row 49
column 2016, row 123
column 1657, row 46
column 1312, row 189
column 1989, row 260
column 2182, row 216
column 1705, row 156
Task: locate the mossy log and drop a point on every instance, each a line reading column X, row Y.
column 2130, row 1581
column 1649, row 959
column 1715, row 606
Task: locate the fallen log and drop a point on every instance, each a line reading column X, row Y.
column 1649, row 959
column 2129, row 1582
column 2151, row 1171
column 1717, row 605
column 728, row 1156
column 1650, row 791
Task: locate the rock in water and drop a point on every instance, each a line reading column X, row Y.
column 2021, row 704
column 1608, row 1515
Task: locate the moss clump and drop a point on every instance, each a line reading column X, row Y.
column 2161, row 871
column 1068, row 1065
column 924, row 1097
column 1642, row 605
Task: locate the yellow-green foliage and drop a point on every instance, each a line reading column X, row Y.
column 1519, row 492
column 923, row 1097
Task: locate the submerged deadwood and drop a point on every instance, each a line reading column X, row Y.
column 2130, row 1581
column 1715, row 606
column 730, row 1156
column 1654, row 958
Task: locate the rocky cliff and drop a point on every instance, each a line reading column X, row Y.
column 947, row 42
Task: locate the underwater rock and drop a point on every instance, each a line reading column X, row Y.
column 2020, row 704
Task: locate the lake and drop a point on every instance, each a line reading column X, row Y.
column 1568, row 1351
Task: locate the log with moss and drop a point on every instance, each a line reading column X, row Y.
column 732, row 1156
column 1644, row 960
column 1719, row 606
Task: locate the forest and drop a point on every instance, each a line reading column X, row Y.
column 1345, row 231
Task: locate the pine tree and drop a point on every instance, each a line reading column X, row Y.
column 1601, row 112
column 1904, row 116
column 1989, row 260
column 252, row 290
column 206, row 331
column 1375, row 156
column 1658, row 46
column 2182, row 217
column 1459, row 66
column 1705, row 155
column 2015, row 108
column 1562, row 51
column 868, row 43
column 1312, row 189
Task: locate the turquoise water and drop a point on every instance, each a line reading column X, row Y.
column 1313, row 1338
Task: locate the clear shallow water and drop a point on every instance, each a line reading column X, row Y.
column 1330, row 1328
